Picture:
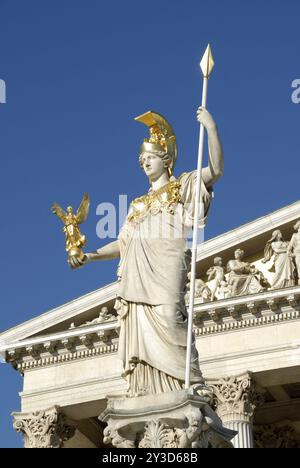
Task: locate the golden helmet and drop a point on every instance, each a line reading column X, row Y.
column 162, row 137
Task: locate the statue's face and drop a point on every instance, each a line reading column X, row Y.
column 70, row 210
column 153, row 165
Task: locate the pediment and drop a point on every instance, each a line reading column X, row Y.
column 250, row 237
column 81, row 313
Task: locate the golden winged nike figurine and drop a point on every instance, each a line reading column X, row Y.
column 75, row 240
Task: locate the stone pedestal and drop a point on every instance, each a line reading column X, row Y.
column 43, row 429
column 178, row 419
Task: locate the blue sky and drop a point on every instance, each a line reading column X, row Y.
column 77, row 73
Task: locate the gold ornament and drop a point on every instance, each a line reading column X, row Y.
column 155, row 202
column 162, row 137
column 75, row 240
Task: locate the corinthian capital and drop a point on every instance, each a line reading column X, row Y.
column 235, row 398
column 43, row 429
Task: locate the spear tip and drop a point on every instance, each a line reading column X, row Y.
column 207, row 62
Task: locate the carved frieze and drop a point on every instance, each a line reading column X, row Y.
column 279, row 435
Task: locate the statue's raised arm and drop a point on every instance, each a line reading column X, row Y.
column 215, row 167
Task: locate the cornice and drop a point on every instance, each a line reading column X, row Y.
column 226, row 316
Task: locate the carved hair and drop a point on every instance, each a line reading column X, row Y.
column 166, row 158
column 268, row 252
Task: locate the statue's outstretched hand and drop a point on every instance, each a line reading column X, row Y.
column 204, row 117
column 75, row 262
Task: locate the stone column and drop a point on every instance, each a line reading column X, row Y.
column 43, row 429
column 235, row 399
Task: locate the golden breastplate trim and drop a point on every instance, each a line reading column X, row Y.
column 162, row 199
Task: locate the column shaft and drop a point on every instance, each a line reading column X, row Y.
column 244, row 438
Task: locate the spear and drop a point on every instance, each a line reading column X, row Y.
column 206, row 65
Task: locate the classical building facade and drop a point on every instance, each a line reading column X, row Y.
column 247, row 328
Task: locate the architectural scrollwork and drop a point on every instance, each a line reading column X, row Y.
column 158, row 435
column 43, row 429
column 236, row 396
column 112, row 436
